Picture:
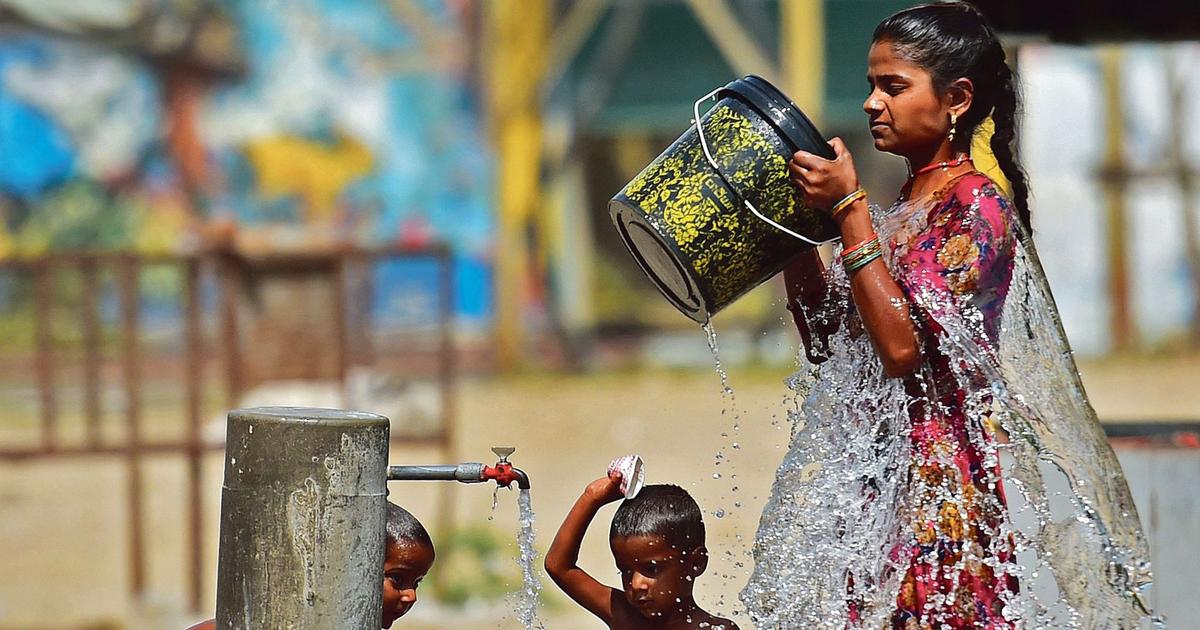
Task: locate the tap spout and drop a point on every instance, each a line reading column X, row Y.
column 504, row 474
column 522, row 478
column 470, row 472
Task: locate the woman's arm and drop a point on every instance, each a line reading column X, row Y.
column 880, row 301
column 882, row 304
column 804, row 282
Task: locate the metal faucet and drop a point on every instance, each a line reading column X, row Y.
column 503, row 473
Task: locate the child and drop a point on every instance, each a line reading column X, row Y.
column 408, row 555
column 657, row 540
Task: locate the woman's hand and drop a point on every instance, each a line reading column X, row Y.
column 824, row 182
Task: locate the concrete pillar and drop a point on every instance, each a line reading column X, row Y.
column 302, row 520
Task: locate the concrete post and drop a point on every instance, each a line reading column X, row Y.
column 302, row 520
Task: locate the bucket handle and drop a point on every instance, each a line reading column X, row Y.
column 713, row 163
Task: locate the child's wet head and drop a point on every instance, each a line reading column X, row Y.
column 409, row 556
column 657, row 541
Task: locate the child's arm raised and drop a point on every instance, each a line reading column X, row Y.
column 563, row 557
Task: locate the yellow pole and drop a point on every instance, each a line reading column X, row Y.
column 802, row 48
column 517, row 44
column 1115, row 176
column 802, row 62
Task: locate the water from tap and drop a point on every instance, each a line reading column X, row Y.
column 495, row 500
column 527, row 597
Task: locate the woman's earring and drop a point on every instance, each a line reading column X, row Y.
column 953, row 124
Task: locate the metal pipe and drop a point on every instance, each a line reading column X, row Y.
column 230, row 279
column 503, row 473
column 128, row 275
column 89, row 312
column 470, row 472
column 302, row 520
column 193, row 371
column 43, row 330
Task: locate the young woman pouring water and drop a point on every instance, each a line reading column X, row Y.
column 939, row 353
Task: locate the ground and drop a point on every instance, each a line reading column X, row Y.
column 62, row 531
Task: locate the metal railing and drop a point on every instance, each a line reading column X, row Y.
column 225, row 272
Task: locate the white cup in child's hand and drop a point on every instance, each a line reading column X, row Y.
column 628, row 471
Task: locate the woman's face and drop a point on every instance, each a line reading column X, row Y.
column 906, row 115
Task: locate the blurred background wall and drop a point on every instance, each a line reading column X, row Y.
column 401, row 206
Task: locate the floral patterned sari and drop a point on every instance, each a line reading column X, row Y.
column 956, row 495
column 889, row 509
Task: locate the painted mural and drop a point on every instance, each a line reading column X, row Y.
column 346, row 121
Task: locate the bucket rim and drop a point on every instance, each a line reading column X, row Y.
column 697, row 286
column 783, row 114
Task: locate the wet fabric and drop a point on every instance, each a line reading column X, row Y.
column 890, row 509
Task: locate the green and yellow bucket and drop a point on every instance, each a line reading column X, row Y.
column 715, row 216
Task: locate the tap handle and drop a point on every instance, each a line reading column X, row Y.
column 503, row 452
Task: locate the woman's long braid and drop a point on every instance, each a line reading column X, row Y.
column 1004, row 116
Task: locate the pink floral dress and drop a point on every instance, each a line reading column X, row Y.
column 888, row 509
column 961, row 261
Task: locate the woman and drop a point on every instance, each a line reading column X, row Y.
column 890, row 508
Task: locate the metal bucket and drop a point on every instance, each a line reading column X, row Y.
column 715, row 216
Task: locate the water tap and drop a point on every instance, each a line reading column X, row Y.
column 504, row 473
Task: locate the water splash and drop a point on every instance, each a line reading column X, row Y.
column 711, row 334
column 527, row 598
column 852, row 494
column 731, row 570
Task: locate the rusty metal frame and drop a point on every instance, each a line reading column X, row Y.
column 230, row 271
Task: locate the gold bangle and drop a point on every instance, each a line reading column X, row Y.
column 847, row 201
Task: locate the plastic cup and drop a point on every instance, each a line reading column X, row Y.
column 630, row 473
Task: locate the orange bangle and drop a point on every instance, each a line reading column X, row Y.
column 857, row 246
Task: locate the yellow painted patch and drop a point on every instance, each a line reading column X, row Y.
column 317, row 173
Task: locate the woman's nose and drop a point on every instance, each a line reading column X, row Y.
column 408, row 596
column 872, row 104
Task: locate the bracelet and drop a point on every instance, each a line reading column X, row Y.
column 849, row 251
column 857, row 261
column 846, row 201
column 863, row 257
column 864, row 261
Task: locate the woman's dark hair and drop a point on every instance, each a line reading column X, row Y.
column 952, row 40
